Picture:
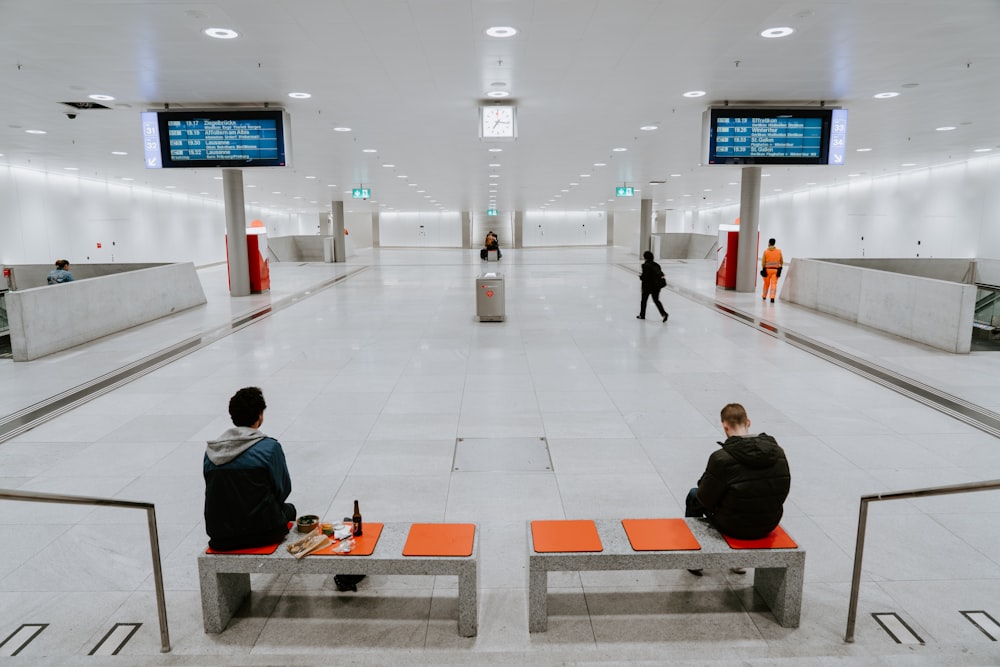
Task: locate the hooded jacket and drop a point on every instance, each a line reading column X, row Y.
column 745, row 485
column 246, row 485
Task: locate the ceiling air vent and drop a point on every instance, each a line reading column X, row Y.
column 657, row 182
column 84, row 106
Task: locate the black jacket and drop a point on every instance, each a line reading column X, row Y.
column 651, row 276
column 745, row 485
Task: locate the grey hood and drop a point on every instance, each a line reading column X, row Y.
column 232, row 443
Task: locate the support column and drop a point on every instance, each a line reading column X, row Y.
column 467, row 229
column 518, row 229
column 236, row 232
column 645, row 225
column 324, row 224
column 375, row 230
column 660, row 222
column 746, row 257
column 337, row 230
column 610, row 217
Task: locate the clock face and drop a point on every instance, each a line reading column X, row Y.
column 498, row 122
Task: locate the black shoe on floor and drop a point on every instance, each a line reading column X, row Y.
column 696, row 573
column 640, row 317
column 772, row 300
column 347, row 582
column 666, row 316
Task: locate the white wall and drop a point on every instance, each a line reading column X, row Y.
column 44, row 217
column 420, row 230
column 946, row 211
column 564, row 228
column 627, row 229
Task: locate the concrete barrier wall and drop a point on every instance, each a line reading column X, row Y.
column 680, row 245
column 27, row 276
column 301, row 248
column 988, row 271
column 956, row 270
column 48, row 319
column 934, row 312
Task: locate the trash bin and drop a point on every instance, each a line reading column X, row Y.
column 490, row 297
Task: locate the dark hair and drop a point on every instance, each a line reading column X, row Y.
column 770, row 242
column 734, row 415
column 647, row 255
column 62, row 263
column 246, row 406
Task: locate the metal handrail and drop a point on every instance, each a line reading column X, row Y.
column 859, row 546
column 154, row 541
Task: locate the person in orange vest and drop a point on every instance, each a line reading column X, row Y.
column 770, row 270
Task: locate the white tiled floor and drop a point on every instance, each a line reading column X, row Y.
column 369, row 383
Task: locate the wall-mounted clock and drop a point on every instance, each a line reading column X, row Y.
column 497, row 122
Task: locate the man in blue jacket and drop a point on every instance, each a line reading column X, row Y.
column 246, row 481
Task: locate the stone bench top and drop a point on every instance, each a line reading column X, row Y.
column 388, row 554
column 714, row 552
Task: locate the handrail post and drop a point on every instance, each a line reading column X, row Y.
column 161, row 600
column 859, row 550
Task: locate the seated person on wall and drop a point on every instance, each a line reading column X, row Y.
column 743, row 489
column 246, row 481
column 491, row 243
column 60, row 274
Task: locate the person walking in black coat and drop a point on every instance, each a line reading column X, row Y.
column 652, row 282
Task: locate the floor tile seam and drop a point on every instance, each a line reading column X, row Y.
column 920, row 392
column 47, row 409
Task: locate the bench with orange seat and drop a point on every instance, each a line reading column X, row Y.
column 391, row 548
column 662, row 544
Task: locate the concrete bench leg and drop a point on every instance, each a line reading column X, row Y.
column 538, row 599
column 781, row 589
column 221, row 596
column 468, row 605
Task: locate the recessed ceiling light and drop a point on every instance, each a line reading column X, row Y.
column 126, row 178
column 310, row 177
column 863, row 150
column 853, row 175
column 777, row 190
column 388, row 166
column 341, row 129
column 982, row 150
column 945, row 128
column 675, row 175
column 496, row 150
column 494, row 175
column 170, row 187
column 119, row 153
column 300, row 96
column 695, row 93
column 494, row 164
column 908, row 164
column 707, row 190
column 649, row 128
column 332, row 185
column 619, row 150
column 584, row 175
column 885, row 96
column 421, row 191
column 732, row 183
column 600, row 164
column 764, row 175
column 498, row 93
column 772, row 33
column 369, row 150
column 400, row 175
column 71, row 168
column 251, row 186
column 501, row 31
column 574, row 184
column 296, row 197
column 203, row 193
column 217, row 178
column 275, row 193
column 412, row 185
column 564, row 191
column 36, row 131
column 101, row 98
column 811, row 183
column 221, row 33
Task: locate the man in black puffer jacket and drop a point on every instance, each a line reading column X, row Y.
column 745, row 483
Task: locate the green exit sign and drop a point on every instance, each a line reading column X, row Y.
column 491, row 211
column 361, row 193
column 624, row 192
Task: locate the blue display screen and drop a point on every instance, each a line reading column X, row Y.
column 775, row 136
column 214, row 138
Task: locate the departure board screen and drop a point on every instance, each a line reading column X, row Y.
column 214, row 139
column 775, row 136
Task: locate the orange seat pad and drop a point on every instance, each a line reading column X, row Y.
column 363, row 546
column 565, row 536
column 252, row 551
column 440, row 539
column 776, row 539
column 660, row 535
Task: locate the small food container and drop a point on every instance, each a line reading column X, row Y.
column 306, row 523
